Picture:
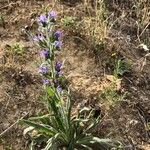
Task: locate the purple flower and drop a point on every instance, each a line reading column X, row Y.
column 58, row 44
column 45, row 81
column 43, row 69
column 42, row 19
column 52, row 15
column 59, row 74
column 58, row 66
column 59, row 88
column 58, row 34
column 36, row 39
column 45, row 53
column 39, row 38
column 56, row 83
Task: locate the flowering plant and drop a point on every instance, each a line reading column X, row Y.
column 59, row 129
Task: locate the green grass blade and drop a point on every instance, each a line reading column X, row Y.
column 38, row 118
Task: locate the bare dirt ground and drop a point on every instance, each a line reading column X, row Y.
column 87, row 72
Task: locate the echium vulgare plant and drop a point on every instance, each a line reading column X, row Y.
column 59, row 129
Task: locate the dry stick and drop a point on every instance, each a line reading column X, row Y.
column 138, row 30
column 144, row 29
column 142, row 116
column 4, row 6
column 9, row 128
column 9, row 5
column 139, row 35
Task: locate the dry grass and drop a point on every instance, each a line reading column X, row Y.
column 94, row 24
column 142, row 10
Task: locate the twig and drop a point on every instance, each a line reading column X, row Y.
column 3, row 7
column 9, row 128
column 77, row 37
column 142, row 116
column 138, row 32
column 144, row 29
column 9, row 5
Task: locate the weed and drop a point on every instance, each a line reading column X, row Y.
column 142, row 12
column 1, row 141
column 111, row 94
column 148, row 124
column 68, row 20
column 95, row 24
column 121, row 67
column 59, row 129
column 17, row 48
column 8, row 148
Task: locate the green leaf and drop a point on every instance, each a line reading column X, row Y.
column 91, row 140
column 50, row 91
column 107, row 142
column 39, row 127
column 92, row 125
column 68, row 106
column 86, row 147
column 45, row 119
column 85, row 140
column 84, row 109
column 38, row 118
column 57, row 114
column 51, row 144
column 30, row 128
column 32, row 145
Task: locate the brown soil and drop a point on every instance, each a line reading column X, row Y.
column 87, row 71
